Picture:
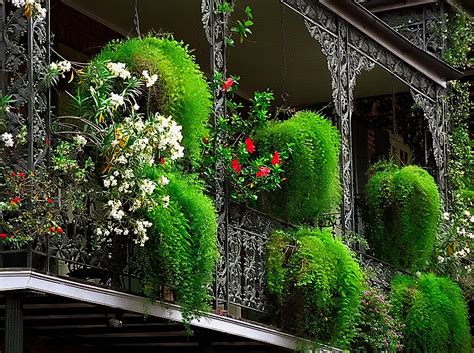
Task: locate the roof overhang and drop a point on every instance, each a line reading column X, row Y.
column 369, row 24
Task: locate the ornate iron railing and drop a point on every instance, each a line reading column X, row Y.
column 243, row 232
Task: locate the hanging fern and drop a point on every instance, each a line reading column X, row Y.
column 312, row 169
column 402, row 214
column 321, row 273
column 434, row 312
column 182, row 249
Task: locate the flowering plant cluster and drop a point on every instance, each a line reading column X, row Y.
column 249, row 170
column 379, row 330
column 31, row 8
column 29, row 207
column 454, row 246
column 136, row 144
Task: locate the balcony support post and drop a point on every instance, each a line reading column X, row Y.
column 14, row 325
column 216, row 28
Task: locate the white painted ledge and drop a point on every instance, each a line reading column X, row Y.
column 11, row 280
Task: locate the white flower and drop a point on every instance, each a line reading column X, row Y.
column 122, row 159
column 440, row 259
column 471, row 219
column 136, row 107
column 147, row 186
column 128, row 174
column 19, row 3
column 80, row 140
column 116, row 100
column 164, row 181
column 40, row 10
column 446, row 216
column 98, row 231
column 64, row 66
column 7, row 138
column 140, row 230
column 166, row 201
column 119, row 70
column 467, row 213
column 150, row 80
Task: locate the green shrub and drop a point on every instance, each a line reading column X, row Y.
column 402, row 215
column 321, row 273
column 181, row 90
column 312, row 169
column 434, row 312
column 182, row 249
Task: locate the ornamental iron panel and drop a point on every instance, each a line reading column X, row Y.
column 421, row 25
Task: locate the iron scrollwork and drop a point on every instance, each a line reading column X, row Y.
column 25, row 43
column 215, row 26
column 421, row 25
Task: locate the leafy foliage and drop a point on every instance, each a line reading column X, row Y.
column 181, row 90
column 461, row 39
column 249, row 169
column 323, row 272
column 434, row 312
column 378, row 329
column 182, row 249
column 402, row 214
column 312, row 169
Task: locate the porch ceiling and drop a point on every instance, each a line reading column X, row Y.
column 280, row 55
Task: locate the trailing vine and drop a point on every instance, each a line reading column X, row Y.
column 456, row 239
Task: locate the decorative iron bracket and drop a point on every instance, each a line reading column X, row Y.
column 349, row 52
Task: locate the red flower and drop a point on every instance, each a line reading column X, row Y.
column 262, row 171
column 60, row 230
column 49, row 200
column 21, row 174
column 228, row 84
column 3, row 235
column 236, row 166
column 276, row 158
column 52, row 230
column 13, row 174
column 162, row 160
column 16, row 200
column 249, row 145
